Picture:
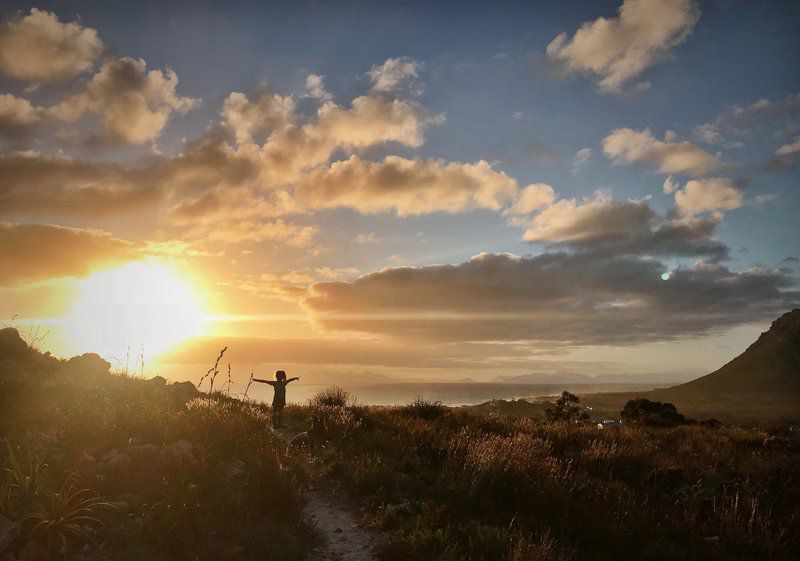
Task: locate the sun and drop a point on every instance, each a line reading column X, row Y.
column 142, row 307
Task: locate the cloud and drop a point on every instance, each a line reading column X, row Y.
column 42, row 251
column 40, row 48
column 315, row 88
column 397, row 76
column 602, row 225
column 33, row 184
column 789, row 148
column 247, row 119
column 532, row 198
column 566, row 299
column 347, row 351
column 405, row 186
column 617, row 50
column 19, row 118
column 369, row 121
column 580, row 160
column 133, row 104
column 713, row 195
column 627, row 146
column 254, row 231
column 213, row 180
column 736, row 123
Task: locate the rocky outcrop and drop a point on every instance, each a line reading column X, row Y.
column 88, row 366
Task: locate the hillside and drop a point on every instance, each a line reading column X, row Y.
column 769, row 367
column 97, row 466
column 761, row 384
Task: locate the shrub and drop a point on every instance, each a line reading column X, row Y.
column 642, row 411
column 331, row 397
column 424, row 409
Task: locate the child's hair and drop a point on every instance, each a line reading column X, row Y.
column 280, row 375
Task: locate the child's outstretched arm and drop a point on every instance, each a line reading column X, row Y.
column 270, row 382
column 292, row 379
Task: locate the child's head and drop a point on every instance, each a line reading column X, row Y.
column 280, row 375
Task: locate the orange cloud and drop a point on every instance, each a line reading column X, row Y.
column 39, row 47
column 42, row 251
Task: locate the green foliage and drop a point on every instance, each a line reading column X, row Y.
column 642, row 411
column 69, row 515
column 567, row 409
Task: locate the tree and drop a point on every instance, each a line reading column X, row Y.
column 642, row 411
column 567, row 409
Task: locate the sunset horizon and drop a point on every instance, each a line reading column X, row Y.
column 399, row 281
column 571, row 193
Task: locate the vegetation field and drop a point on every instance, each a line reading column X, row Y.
column 460, row 486
column 104, row 466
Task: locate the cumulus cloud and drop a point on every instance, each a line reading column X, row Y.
column 736, row 123
column 713, row 195
column 19, row 117
column 396, row 76
column 617, row 50
column 789, row 148
column 602, row 225
column 211, row 178
column 405, row 186
column 580, row 160
column 42, row 251
column 532, row 198
column 627, row 146
column 133, row 104
column 315, row 88
column 370, row 120
column 570, row 299
column 41, row 48
column 247, row 119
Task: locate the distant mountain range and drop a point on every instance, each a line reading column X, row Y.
column 576, row 378
column 370, row 378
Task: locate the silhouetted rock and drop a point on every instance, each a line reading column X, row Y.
column 87, row 366
column 157, row 381
column 11, row 344
column 183, row 392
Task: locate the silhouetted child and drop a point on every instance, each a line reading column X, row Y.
column 279, row 399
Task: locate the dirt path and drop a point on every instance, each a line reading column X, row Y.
column 343, row 540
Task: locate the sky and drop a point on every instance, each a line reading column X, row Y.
column 431, row 190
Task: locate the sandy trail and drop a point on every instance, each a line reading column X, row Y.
column 343, row 539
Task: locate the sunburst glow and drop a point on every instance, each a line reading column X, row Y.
column 140, row 306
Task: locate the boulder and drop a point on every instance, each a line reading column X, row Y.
column 184, row 389
column 88, row 366
column 143, row 452
column 116, row 461
column 179, row 453
column 157, row 381
column 11, row 344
